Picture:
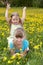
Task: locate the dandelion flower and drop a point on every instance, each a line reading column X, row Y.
column 5, row 58
column 13, row 57
column 18, row 63
column 9, row 61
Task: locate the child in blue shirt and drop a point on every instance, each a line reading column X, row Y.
column 19, row 44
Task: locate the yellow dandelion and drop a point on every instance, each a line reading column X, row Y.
column 4, row 49
column 13, row 57
column 2, row 34
column 20, row 49
column 31, row 32
column 40, row 43
column 5, row 58
column 38, row 29
column 8, row 30
column 9, row 61
column 31, row 42
column 19, row 57
column 18, row 63
column 18, row 54
column 36, row 47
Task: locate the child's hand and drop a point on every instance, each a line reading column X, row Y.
column 17, row 54
column 21, row 55
column 24, row 8
column 8, row 6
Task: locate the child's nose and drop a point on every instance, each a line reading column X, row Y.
column 19, row 39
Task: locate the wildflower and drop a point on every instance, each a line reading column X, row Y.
column 2, row 34
column 40, row 43
column 8, row 30
column 13, row 57
column 19, row 57
column 18, row 63
column 5, row 58
column 4, row 49
column 9, row 61
column 20, row 49
column 36, row 47
column 17, row 54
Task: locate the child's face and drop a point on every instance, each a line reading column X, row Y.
column 18, row 37
column 18, row 42
column 15, row 19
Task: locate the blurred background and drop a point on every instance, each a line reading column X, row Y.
column 28, row 3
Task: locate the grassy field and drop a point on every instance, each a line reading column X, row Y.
column 33, row 25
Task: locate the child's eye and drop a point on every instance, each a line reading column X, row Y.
column 15, row 19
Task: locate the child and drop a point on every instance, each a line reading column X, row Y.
column 15, row 21
column 19, row 44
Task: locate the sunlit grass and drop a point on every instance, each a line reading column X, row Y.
column 33, row 25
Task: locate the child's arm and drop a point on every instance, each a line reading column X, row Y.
column 6, row 13
column 12, row 52
column 24, row 14
column 21, row 54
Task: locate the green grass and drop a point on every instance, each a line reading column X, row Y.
column 33, row 25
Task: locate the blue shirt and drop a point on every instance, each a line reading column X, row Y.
column 25, row 45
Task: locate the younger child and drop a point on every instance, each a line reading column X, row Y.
column 15, row 21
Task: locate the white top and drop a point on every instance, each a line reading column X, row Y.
column 13, row 28
column 12, row 32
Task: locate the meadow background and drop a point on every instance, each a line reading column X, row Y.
column 33, row 25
